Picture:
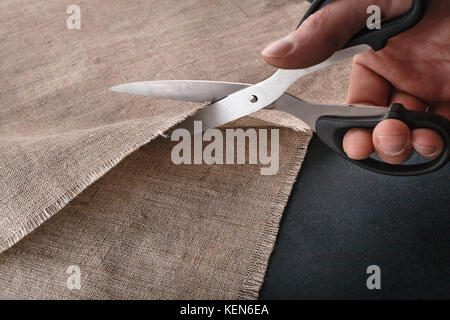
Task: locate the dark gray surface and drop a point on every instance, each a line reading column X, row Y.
column 340, row 219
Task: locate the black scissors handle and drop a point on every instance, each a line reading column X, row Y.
column 377, row 38
column 331, row 129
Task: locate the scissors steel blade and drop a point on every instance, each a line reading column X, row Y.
column 193, row 90
column 245, row 101
column 185, row 90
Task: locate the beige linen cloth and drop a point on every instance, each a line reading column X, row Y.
column 81, row 183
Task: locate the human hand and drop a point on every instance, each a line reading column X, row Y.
column 413, row 69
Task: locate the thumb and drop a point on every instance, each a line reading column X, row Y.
column 326, row 31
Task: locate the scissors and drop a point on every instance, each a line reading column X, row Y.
column 230, row 101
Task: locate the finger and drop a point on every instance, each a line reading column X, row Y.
column 357, row 143
column 366, row 88
column 325, row 32
column 442, row 108
column 409, row 101
column 392, row 141
column 426, row 142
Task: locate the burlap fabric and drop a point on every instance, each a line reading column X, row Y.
column 80, row 184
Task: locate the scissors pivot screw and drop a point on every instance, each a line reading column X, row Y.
column 253, row 99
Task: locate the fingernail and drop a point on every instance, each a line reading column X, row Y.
column 424, row 150
column 392, row 145
column 279, row 48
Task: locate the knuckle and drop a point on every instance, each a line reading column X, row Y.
column 319, row 19
column 324, row 22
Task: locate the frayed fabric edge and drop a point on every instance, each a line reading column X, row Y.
column 84, row 182
column 256, row 271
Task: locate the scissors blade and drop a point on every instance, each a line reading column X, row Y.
column 201, row 91
column 245, row 101
column 186, row 90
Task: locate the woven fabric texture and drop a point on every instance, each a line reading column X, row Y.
column 84, row 178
